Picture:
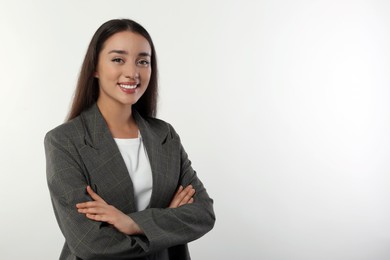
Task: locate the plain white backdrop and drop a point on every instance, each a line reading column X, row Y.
column 283, row 107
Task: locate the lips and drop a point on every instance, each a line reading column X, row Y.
column 128, row 86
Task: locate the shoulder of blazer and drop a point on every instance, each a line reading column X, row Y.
column 70, row 131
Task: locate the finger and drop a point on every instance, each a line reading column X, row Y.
column 187, row 197
column 96, row 210
column 182, row 192
column 187, row 193
column 191, row 201
column 93, row 194
column 179, row 190
column 175, row 201
column 96, row 217
column 182, row 197
column 189, row 187
column 88, row 204
column 91, row 204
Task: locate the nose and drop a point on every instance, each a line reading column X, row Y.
column 131, row 71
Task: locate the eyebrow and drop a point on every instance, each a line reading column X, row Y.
column 126, row 53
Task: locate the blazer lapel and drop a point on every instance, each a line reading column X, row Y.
column 107, row 171
column 155, row 138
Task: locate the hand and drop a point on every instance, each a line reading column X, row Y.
column 99, row 210
column 183, row 196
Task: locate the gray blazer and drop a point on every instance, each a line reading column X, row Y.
column 82, row 152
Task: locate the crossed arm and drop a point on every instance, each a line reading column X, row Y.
column 99, row 210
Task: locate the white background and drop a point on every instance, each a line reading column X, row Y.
column 283, row 107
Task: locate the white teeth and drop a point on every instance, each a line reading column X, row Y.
column 128, row 86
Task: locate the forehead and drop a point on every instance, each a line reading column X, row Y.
column 127, row 41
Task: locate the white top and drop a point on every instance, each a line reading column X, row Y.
column 138, row 165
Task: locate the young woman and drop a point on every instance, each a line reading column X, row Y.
column 121, row 184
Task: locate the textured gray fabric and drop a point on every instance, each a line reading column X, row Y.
column 82, row 152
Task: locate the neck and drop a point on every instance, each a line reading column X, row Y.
column 119, row 119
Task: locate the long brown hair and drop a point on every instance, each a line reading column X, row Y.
column 87, row 90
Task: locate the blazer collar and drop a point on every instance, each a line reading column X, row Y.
column 98, row 134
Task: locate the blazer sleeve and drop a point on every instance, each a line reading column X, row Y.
column 67, row 185
column 172, row 226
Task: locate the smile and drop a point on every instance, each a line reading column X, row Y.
column 125, row 86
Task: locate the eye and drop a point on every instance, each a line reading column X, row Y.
column 143, row 63
column 117, row 60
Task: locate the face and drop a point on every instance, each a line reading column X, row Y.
column 123, row 69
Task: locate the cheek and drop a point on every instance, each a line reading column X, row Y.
column 107, row 72
column 112, row 73
column 146, row 74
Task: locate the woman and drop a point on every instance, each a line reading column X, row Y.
column 121, row 184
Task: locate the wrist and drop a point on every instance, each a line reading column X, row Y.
column 133, row 228
column 136, row 229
